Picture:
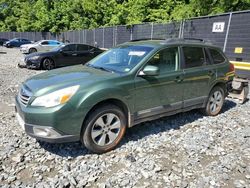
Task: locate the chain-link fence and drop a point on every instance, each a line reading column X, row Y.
column 229, row 31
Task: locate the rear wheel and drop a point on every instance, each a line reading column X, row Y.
column 215, row 101
column 32, row 50
column 104, row 129
column 48, row 64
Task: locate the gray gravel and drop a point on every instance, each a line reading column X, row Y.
column 184, row 150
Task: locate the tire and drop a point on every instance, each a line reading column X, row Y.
column 104, row 129
column 215, row 102
column 48, row 64
column 32, row 50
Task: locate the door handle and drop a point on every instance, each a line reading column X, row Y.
column 178, row 79
column 74, row 54
column 211, row 72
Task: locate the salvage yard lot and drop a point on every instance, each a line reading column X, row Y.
column 184, row 150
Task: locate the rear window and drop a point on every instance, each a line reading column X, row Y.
column 216, row 56
column 194, row 56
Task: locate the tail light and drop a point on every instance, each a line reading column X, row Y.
column 231, row 67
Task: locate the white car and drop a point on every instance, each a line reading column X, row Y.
column 40, row 46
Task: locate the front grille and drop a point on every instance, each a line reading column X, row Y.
column 24, row 99
column 24, row 96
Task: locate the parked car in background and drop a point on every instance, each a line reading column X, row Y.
column 40, row 46
column 126, row 85
column 2, row 41
column 16, row 42
column 70, row 54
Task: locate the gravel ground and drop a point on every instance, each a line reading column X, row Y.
column 184, row 150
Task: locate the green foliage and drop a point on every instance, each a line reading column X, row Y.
column 64, row 15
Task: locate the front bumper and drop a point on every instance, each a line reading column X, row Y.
column 34, row 64
column 52, row 125
column 24, row 50
column 48, row 134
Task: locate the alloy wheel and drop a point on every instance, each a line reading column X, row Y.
column 216, row 101
column 106, row 129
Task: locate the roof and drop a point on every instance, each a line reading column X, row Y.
column 171, row 41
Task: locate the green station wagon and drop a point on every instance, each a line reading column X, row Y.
column 126, row 85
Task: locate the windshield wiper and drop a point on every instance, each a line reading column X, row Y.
column 101, row 68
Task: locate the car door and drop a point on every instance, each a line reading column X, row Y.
column 43, row 46
column 163, row 93
column 66, row 56
column 83, row 53
column 198, row 75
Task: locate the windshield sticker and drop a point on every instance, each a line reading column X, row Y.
column 136, row 53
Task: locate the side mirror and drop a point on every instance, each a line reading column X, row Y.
column 150, row 70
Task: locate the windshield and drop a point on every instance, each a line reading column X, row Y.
column 120, row 59
column 37, row 42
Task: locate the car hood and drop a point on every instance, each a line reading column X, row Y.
column 65, row 77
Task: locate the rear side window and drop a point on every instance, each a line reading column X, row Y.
column 194, row 56
column 53, row 43
column 216, row 56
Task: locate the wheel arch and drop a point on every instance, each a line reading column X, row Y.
column 46, row 57
column 32, row 48
column 221, row 84
column 117, row 102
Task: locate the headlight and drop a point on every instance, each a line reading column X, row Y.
column 34, row 57
column 55, row 98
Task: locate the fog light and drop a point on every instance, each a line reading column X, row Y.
column 45, row 132
column 40, row 132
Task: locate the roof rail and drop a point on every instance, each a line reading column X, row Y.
column 135, row 40
column 195, row 39
column 189, row 39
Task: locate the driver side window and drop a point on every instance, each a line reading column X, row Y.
column 45, row 43
column 167, row 60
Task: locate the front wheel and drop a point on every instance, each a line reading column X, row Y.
column 48, row 64
column 104, row 129
column 32, row 50
column 215, row 101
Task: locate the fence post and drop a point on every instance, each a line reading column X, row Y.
column 113, row 36
column 103, row 37
column 94, row 37
column 152, row 30
column 131, row 33
column 181, row 28
column 228, row 27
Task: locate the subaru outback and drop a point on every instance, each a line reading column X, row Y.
column 131, row 83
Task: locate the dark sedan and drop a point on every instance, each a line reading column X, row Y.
column 70, row 54
column 16, row 42
column 2, row 41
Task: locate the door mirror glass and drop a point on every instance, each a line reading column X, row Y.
column 150, row 70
